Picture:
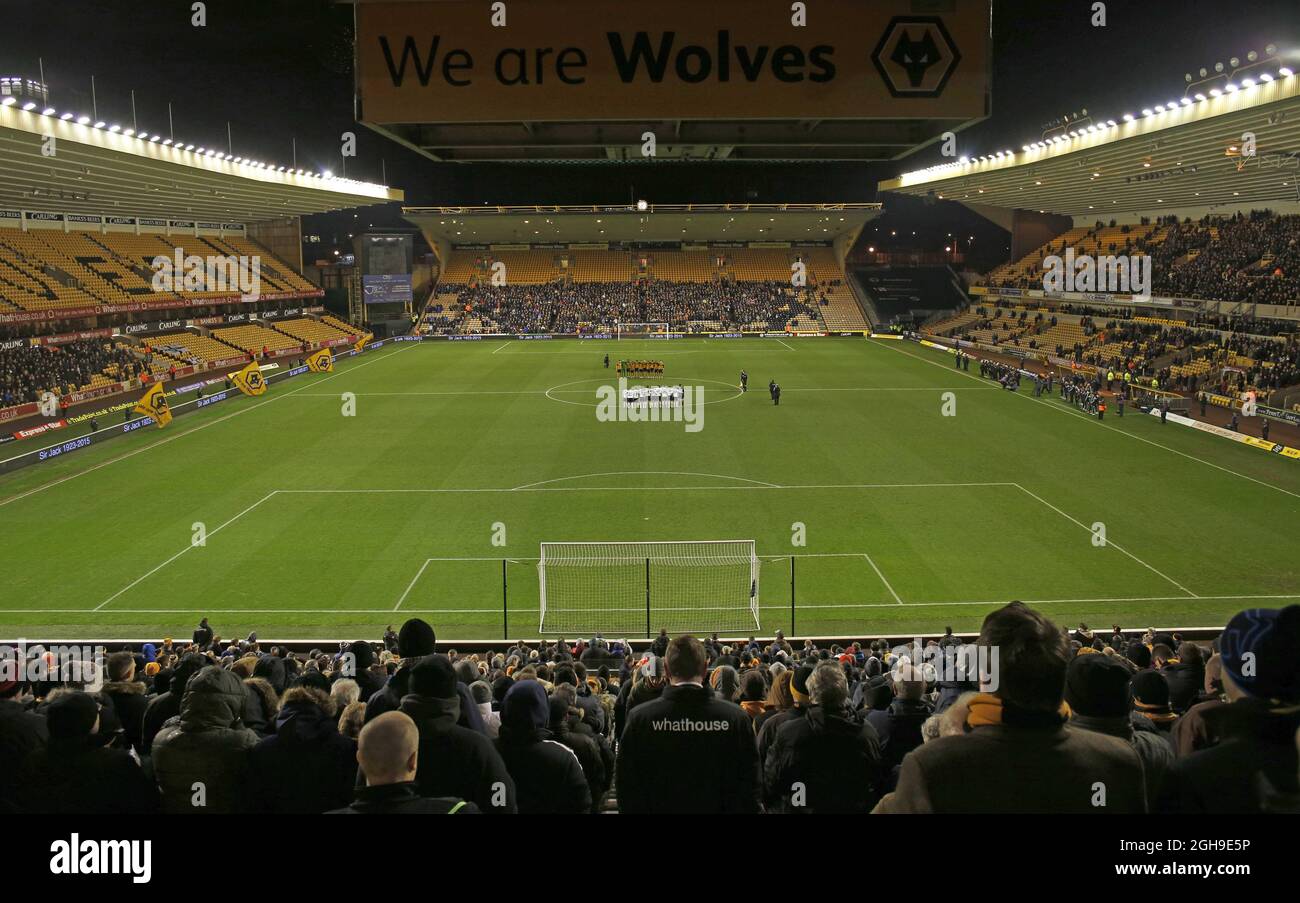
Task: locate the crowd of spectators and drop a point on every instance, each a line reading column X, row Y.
column 1263, row 355
column 27, row 371
column 1252, row 258
column 571, row 307
column 1026, row 718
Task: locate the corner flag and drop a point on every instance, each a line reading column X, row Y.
column 321, row 362
column 154, row 404
column 249, row 380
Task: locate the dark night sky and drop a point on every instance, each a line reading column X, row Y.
column 281, row 69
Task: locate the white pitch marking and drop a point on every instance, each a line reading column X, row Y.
column 1108, row 541
column 411, row 586
column 632, row 473
column 203, row 426
column 760, row 486
column 881, row 575
column 1105, row 426
column 184, row 550
column 802, row 606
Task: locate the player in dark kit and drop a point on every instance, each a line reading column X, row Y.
column 776, row 393
column 771, row 388
column 744, row 381
column 607, row 362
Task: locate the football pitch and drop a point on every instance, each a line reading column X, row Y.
column 910, row 497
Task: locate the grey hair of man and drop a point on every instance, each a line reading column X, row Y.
column 828, row 686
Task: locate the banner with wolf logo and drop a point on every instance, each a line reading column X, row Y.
column 321, row 362
column 250, row 380
column 154, row 404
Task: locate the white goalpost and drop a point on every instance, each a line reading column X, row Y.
column 641, row 330
column 624, row 588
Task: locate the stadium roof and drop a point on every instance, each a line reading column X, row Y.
column 98, row 168
column 1178, row 154
column 656, row 223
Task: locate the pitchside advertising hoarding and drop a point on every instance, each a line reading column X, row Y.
column 563, row 60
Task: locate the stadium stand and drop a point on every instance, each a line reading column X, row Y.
column 697, row 289
column 305, row 329
column 190, row 348
column 255, row 338
column 26, row 371
column 45, row 270
column 909, row 731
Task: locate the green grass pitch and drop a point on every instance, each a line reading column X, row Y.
column 325, row 526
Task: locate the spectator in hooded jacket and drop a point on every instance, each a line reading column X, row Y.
column 262, row 695
column 548, row 777
column 130, row 697
column 388, row 755
column 825, row 761
column 1254, row 762
column 168, row 705
column 1097, row 691
column 592, row 750
column 1016, row 754
column 200, row 757
column 687, row 751
column 76, row 774
column 1186, row 675
column 306, row 767
column 455, row 761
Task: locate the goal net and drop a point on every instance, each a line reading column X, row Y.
column 641, row 331
column 623, row 588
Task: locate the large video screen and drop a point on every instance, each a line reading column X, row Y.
column 387, row 289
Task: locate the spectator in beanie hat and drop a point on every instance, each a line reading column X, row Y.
column 1139, row 654
column 481, row 692
column 415, row 640
column 1256, row 758
column 455, row 761
column 1097, row 691
column 1151, row 710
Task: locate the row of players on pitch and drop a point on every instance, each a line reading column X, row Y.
column 657, row 369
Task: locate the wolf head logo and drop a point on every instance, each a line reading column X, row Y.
column 915, row 56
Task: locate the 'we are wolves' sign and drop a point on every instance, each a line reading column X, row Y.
column 465, row 61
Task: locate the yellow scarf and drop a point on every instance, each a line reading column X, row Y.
column 986, row 709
